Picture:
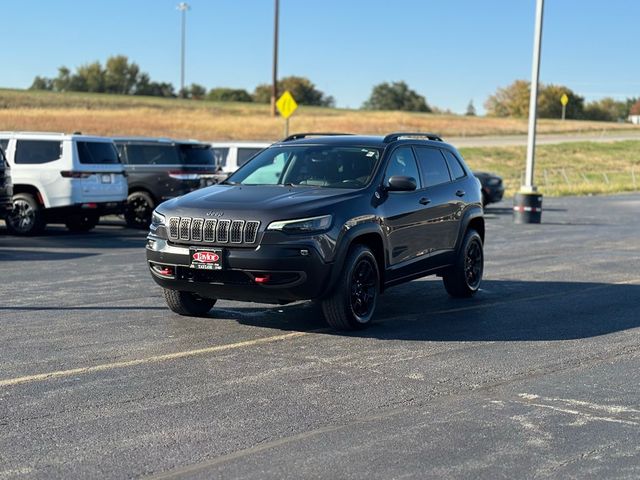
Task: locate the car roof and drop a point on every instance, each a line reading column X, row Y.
column 240, row 144
column 171, row 141
column 373, row 141
column 54, row 136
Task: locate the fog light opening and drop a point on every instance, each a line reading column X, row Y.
column 261, row 279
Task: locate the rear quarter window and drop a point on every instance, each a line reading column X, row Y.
column 97, row 153
column 433, row 166
column 34, row 152
column 454, row 165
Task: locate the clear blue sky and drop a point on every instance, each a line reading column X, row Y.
column 450, row 51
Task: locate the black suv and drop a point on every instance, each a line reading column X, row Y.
column 6, row 188
column 329, row 217
column 159, row 169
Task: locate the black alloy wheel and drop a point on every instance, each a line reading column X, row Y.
column 139, row 208
column 352, row 303
column 463, row 278
column 364, row 280
column 26, row 217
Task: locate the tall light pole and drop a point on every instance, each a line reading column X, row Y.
column 274, row 78
column 183, row 7
column 527, row 207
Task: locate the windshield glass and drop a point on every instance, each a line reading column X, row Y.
column 196, row 155
column 319, row 166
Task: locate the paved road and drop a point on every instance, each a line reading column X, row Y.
column 536, row 376
column 543, row 139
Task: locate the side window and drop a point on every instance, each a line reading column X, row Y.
column 245, row 154
column 433, row 166
column 37, row 151
column 152, row 154
column 454, row 165
column 220, row 154
column 122, row 151
column 402, row 162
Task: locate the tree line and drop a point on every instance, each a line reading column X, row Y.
column 120, row 76
column 513, row 101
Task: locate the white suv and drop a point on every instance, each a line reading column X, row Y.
column 59, row 177
column 232, row 155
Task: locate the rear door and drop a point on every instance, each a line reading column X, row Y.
column 99, row 172
column 444, row 207
column 40, row 163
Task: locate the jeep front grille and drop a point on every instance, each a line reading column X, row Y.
column 237, row 232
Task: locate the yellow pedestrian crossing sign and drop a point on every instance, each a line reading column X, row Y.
column 564, row 99
column 286, row 104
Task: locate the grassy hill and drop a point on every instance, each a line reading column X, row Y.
column 150, row 116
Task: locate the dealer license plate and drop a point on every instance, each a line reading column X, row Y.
column 206, row 258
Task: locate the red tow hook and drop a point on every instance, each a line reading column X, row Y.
column 262, row 278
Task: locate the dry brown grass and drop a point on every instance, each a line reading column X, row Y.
column 122, row 115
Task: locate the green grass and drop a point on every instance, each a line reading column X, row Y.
column 580, row 168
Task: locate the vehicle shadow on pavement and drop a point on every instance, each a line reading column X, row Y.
column 27, row 255
column 501, row 311
column 101, row 238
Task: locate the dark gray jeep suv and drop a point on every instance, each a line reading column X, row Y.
column 329, row 217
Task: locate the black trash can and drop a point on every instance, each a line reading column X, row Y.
column 527, row 208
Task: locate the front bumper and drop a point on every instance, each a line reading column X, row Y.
column 292, row 272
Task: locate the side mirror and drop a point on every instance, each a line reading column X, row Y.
column 400, row 183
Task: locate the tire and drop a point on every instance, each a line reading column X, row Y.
column 27, row 216
column 353, row 301
column 82, row 222
column 462, row 280
column 139, row 208
column 187, row 303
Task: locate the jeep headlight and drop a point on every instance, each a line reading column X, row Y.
column 302, row 225
column 157, row 219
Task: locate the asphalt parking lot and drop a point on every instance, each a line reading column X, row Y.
column 537, row 376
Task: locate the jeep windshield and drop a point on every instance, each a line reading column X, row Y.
column 311, row 165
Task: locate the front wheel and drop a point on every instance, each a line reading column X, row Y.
column 463, row 278
column 187, row 303
column 354, row 298
column 27, row 216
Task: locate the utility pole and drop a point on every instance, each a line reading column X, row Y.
column 527, row 206
column 274, row 79
column 183, row 7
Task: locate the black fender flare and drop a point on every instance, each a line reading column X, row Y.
column 347, row 238
column 473, row 212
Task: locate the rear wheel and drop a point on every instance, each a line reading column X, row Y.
column 27, row 216
column 139, row 208
column 187, row 303
column 464, row 277
column 82, row 222
column 353, row 302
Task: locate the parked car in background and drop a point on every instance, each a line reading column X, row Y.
column 159, row 169
column 58, row 177
column 492, row 187
column 6, row 188
column 232, row 155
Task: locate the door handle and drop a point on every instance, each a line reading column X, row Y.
column 460, row 193
column 424, row 201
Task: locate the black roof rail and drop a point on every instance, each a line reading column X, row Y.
column 392, row 137
column 298, row 136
